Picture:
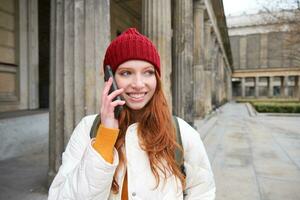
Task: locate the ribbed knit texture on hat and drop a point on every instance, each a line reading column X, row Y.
column 131, row 45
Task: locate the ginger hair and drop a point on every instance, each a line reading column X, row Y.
column 157, row 137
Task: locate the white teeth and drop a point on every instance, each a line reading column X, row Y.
column 136, row 95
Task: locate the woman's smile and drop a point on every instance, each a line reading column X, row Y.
column 137, row 97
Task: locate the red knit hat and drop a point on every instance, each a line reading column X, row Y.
column 131, row 45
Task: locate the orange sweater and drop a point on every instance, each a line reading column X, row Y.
column 104, row 145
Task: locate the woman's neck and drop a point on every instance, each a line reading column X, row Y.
column 136, row 115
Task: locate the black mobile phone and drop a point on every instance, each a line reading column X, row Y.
column 107, row 74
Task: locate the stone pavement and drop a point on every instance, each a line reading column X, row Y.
column 24, row 178
column 253, row 158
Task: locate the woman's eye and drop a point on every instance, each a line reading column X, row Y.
column 150, row 72
column 125, row 73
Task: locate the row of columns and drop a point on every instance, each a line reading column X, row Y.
column 198, row 71
column 78, row 44
column 284, row 85
column 212, row 77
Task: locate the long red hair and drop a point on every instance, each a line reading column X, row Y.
column 156, row 134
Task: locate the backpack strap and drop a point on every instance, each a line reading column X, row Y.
column 179, row 154
column 94, row 129
column 179, row 157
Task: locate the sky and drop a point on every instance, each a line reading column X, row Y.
column 238, row 7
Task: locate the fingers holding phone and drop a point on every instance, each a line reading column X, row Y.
column 109, row 104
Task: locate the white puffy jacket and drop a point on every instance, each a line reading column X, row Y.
column 85, row 175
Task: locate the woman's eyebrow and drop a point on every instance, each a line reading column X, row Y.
column 126, row 68
column 150, row 66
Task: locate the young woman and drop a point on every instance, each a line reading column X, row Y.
column 133, row 157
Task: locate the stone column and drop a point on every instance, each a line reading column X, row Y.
column 243, row 87
column 223, row 80
column 33, row 55
column 78, row 43
column 243, row 52
column 28, row 59
column 286, row 86
column 214, row 68
column 256, row 89
column 282, row 86
column 218, row 79
column 270, row 86
column 156, row 24
column 183, row 60
column 207, row 65
column 199, row 76
column 229, row 84
column 264, row 50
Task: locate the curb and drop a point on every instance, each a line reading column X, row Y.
column 251, row 110
column 253, row 113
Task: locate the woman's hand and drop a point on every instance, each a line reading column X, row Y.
column 108, row 105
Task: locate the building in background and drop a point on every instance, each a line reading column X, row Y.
column 266, row 55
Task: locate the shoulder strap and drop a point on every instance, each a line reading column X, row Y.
column 94, row 129
column 178, row 154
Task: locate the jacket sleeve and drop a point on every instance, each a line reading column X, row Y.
column 84, row 174
column 200, row 182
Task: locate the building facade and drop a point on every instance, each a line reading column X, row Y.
column 264, row 59
column 57, row 47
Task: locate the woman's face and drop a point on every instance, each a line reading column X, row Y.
column 138, row 79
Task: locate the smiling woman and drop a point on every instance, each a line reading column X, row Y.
column 134, row 155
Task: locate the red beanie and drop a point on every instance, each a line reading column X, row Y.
column 131, row 45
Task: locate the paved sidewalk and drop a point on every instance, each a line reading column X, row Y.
column 254, row 158
column 24, row 178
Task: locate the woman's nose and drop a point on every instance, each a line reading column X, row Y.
column 138, row 82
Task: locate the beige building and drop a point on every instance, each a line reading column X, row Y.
column 264, row 59
column 57, row 47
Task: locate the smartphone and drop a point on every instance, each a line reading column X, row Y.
column 107, row 74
